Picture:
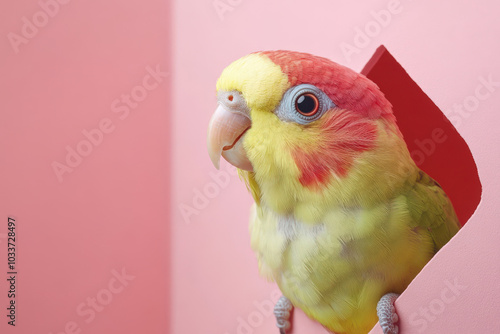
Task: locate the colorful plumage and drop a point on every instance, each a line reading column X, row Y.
column 342, row 215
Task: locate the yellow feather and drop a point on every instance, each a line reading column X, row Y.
column 263, row 94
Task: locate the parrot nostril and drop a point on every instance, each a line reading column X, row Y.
column 233, row 101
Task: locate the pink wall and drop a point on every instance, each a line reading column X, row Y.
column 91, row 244
column 449, row 48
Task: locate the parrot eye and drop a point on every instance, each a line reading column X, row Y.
column 303, row 104
column 307, row 104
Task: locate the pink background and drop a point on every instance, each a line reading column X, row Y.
column 110, row 213
column 147, row 200
column 445, row 46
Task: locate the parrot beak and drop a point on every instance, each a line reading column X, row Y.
column 225, row 137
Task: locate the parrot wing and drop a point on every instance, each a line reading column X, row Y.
column 431, row 209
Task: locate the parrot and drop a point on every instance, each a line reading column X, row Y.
column 343, row 219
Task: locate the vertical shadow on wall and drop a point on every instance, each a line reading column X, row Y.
column 434, row 143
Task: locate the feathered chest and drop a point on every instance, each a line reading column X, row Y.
column 286, row 246
column 351, row 246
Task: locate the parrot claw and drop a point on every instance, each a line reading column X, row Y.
column 387, row 313
column 282, row 311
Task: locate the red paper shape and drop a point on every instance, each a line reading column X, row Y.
column 436, row 146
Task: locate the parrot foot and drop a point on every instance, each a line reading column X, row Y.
column 387, row 315
column 282, row 311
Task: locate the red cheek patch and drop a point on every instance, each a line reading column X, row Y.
column 344, row 135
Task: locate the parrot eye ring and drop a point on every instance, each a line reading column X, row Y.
column 303, row 104
column 307, row 104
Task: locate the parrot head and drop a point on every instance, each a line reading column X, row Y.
column 299, row 124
